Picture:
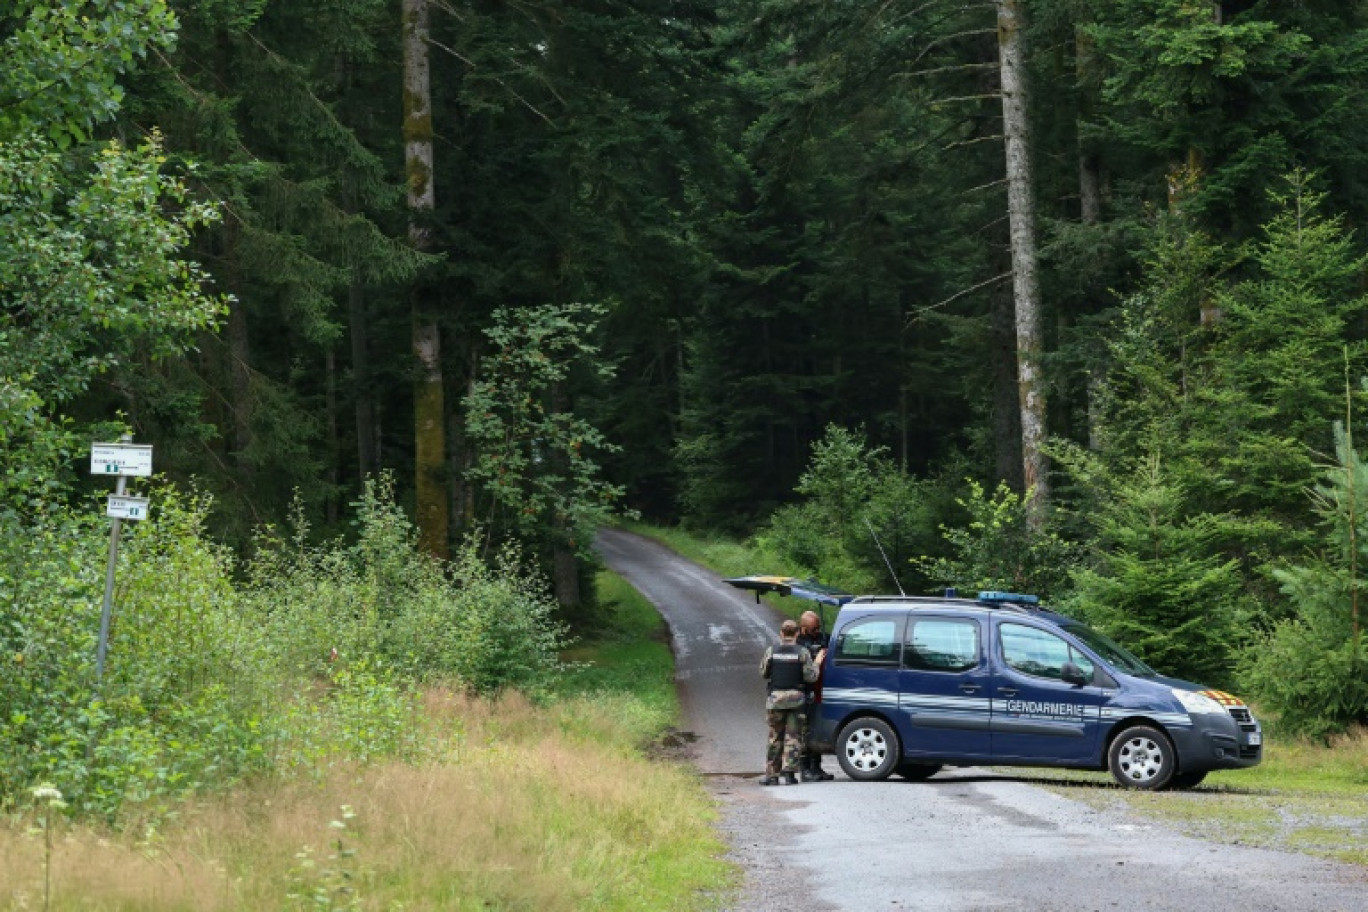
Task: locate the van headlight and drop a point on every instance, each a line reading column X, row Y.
column 1197, row 704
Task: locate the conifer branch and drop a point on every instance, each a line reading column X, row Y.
column 945, row 39
column 449, row 10
column 989, row 65
column 328, row 114
column 957, row 295
column 969, row 142
column 954, row 98
column 988, row 186
column 512, row 91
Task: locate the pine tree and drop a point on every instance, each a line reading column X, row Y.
column 1311, row 669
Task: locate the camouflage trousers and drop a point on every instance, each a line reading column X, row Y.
column 810, row 755
column 786, row 727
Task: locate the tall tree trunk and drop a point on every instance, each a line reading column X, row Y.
column 362, row 395
column 1025, row 285
column 565, row 578
column 461, row 457
column 334, row 449
column 1089, row 205
column 1089, row 162
column 1006, row 413
column 429, row 407
column 240, row 369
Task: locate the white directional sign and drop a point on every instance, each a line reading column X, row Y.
column 127, row 459
column 121, row 507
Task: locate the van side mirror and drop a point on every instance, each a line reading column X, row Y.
column 1072, row 674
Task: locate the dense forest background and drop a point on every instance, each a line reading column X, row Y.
column 745, row 265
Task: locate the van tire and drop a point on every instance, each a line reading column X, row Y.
column 1142, row 757
column 867, row 749
column 914, row 771
column 1187, row 780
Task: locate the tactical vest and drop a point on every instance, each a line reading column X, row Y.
column 786, row 667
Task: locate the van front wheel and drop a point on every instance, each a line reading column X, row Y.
column 916, row 772
column 1187, row 780
column 867, row 749
column 1142, row 757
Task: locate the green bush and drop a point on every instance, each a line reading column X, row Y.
column 358, row 713
column 1155, row 578
column 184, row 689
column 312, row 658
column 860, row 514
column 998, row 549
column 484, row 627
column 1311, row 670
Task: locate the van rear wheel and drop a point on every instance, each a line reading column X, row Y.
column 867, row 749
column 1142, row 757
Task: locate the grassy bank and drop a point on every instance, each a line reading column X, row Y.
column 508, row 805
column 727, row 556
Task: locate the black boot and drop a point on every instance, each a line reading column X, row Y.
column 812, row 770
column 787, row 779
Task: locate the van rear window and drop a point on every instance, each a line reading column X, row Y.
column 873, row 641
column 942, row 644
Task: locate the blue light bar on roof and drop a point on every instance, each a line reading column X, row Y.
column 1013, row 597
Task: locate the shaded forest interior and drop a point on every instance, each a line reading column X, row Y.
column 546, row 261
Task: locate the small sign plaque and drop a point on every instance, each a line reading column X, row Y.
column 122, row 507
column 128, row 459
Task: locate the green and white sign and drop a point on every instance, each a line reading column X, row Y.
column 121, row 459
column 122, row 507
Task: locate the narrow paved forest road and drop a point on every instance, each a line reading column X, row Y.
column 964, row 841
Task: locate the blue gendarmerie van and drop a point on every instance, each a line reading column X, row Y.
column 913, row 684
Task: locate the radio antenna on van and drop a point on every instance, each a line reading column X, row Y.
column 887, row 562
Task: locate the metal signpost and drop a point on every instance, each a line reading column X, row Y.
column 123, row 460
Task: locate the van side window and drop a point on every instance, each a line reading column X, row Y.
column 1035, row 652
column 941, row 644
column 872, row 641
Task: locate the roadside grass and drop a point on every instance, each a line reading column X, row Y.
column 1304, row 797
column 512, row 805
column 725, row 555
column 631, row 655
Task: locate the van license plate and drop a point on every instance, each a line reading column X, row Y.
column 1255, row 739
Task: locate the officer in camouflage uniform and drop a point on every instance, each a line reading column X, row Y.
column 811, row 638
column 787, row 667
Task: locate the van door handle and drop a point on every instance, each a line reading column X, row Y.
column 969, row 688
column 1007, row 691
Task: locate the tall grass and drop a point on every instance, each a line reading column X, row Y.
column 504, row 803
column 515, row 806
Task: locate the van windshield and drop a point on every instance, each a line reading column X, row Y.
column 1110, row 650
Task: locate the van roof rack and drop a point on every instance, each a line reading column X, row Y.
column 899, row 599
column 994, row 599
